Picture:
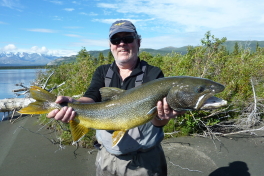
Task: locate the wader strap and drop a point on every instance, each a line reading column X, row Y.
column 110, row 72
column 139, row 78
column 109, row 76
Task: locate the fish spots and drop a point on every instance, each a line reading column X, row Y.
column 110, row 105
column 182, row 86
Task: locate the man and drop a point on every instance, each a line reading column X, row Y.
column 139, row 152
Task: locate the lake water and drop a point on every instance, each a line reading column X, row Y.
column 10, row 77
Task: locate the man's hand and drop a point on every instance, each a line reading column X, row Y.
column 165, row 113
column 66, row 113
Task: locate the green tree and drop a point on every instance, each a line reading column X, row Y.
column 145, row 56
column 110, row 57
column 257, row 47
column 101, row 58
column 211, row 42
column 236, row 49
column 83, row 54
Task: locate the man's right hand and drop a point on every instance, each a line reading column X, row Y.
column 66, row 113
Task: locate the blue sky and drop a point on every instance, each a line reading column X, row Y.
column 63, row 27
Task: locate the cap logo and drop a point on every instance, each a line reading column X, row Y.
column 119, row 24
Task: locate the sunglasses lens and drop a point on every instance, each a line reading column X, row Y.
column 127, row 39
column 115, row 41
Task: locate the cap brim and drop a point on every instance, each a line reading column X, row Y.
column 120, row 30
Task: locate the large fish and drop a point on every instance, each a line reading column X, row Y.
column 122, row 110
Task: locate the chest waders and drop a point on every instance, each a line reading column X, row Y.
column 108, row 78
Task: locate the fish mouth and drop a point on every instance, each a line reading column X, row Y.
column 209, row 101
column 213, row 103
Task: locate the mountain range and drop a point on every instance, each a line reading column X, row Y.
column 25, row 59
column 32, row 59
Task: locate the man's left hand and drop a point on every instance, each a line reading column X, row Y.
column 165, row 111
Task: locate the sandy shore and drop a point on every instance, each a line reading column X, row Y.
column 25, row 151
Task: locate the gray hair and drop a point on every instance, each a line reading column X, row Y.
column 138, row 37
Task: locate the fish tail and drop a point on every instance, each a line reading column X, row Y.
column 77, row 130
column 41, row 105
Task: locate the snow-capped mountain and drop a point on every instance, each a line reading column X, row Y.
column 25, row 59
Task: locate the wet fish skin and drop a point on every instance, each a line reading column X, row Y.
column 124, row 110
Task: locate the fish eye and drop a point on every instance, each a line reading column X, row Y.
column 200, row 89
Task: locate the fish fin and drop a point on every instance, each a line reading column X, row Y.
column 34, row 108
column 117, row 136
column 77, row 131
column 153, row 111
column 110, row 93
column 40, row 94
column 38, row 107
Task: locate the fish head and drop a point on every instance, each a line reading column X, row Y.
column 192, row 93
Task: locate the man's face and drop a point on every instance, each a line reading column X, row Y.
column 125, row 52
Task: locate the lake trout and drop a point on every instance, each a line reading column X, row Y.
column 121, row 110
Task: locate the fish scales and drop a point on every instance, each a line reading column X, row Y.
column 134, row 104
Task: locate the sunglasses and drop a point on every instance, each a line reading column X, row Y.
column 126, row 40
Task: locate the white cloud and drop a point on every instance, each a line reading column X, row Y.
column 1, row 22
column 73, row 27
column 42, row 30
column 12, row 4
column 73, row 35
column 169, row 40
column 57, row 18
column 75, row 2
column 106, row 5
column 57, row 2
column 9, row 48
column 54, row 52
column 69, row 9
column 88, row 14
column 42, row 50
column 90, row 43
column 62, row 52
column 107, row 21
column 261, row 19
column 110, row 21
column 189, row 15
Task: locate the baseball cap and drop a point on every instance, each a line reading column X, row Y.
column 121, row 26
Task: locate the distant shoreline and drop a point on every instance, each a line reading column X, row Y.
column 26, row 67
